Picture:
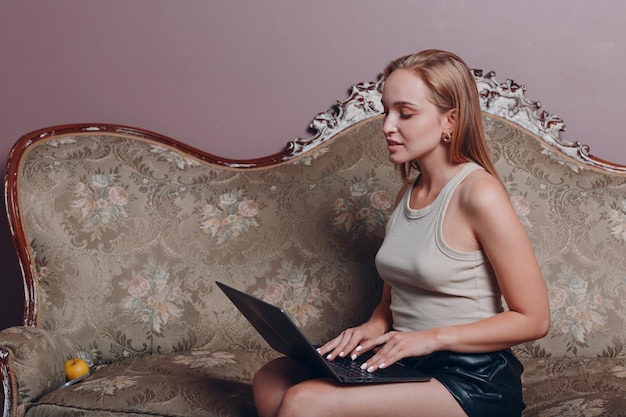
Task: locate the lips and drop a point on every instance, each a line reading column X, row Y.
column 393, row 143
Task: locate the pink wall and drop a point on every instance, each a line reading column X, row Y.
column 240, row 78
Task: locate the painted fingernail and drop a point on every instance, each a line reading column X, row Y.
column 370, row 369
column 341, row 354
column 382, row 365
column 358, row 348
column 353, row 357
column 329, row 356
column 364, row 366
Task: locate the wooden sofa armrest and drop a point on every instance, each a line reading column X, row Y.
column 31, row 364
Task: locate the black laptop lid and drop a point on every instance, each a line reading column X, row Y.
column 282, row 334
column 275, row 326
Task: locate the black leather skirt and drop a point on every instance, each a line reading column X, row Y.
column 485, row 384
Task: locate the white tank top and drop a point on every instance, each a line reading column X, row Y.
column 432, row 284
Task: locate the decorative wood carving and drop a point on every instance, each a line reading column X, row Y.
column 508, row 100
column 362, row 103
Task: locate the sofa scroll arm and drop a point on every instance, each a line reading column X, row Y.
column 31, row 364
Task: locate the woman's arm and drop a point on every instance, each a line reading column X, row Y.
column 502, row 236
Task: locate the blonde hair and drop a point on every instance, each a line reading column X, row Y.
column 451, row 86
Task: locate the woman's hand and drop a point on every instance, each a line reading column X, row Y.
column 351, row 341
column 393, row 346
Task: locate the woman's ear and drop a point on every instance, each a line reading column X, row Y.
column 450, row 120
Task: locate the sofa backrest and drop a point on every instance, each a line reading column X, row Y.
column 576, row 219
column 122, row 232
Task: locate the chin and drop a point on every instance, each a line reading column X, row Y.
column 396, row 159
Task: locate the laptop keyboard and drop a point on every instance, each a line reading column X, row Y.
column 350, row 368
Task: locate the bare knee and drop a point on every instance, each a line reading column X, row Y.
column 293, row 402
column 272, row 381
column 306, row 399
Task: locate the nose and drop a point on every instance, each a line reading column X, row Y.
column 388, row 125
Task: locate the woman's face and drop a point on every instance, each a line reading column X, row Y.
column 413, row 125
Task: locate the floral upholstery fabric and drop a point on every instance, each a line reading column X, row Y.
column 576, row 219
column 574, row 387
column 127, row 237
column 185, row 384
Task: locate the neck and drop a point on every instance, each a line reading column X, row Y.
column 431, row 182
column 433, row 177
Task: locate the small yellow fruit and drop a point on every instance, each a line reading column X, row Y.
column 75, row 367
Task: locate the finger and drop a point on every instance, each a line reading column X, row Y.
column 364, row 346
column 374, row 343
column 335, row 347
column 385, row 355
column 347, row 344
column 377, row 362
column 356, row 352
column 330, row 345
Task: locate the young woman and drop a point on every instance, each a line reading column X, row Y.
column 453, row 246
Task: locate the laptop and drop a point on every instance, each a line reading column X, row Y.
column 281, row 333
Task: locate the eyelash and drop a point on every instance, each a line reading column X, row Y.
column 403, row 116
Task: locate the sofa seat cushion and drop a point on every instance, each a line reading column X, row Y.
column 196, row 383
column 575, row 387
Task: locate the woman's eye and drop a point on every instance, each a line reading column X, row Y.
column 405, row 115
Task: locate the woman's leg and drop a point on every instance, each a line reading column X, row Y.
column 272, row 381
column 323, row 398
column 281, row 390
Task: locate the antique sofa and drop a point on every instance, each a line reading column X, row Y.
column 121, row 234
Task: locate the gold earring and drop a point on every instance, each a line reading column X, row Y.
column 446, row 137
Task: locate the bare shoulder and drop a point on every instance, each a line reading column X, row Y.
column 481, row 193
column 493, row 219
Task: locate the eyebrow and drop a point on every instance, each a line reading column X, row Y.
column 401, row 103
